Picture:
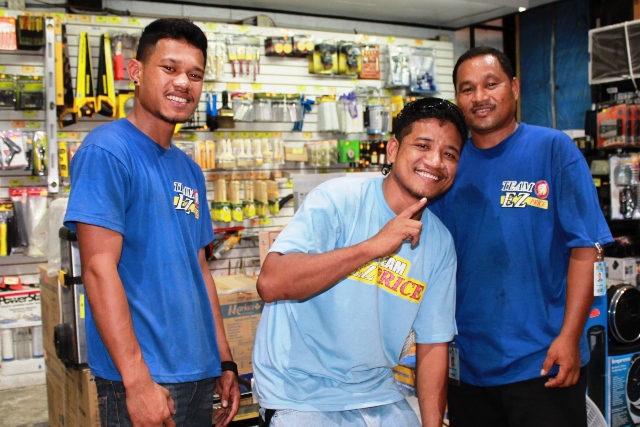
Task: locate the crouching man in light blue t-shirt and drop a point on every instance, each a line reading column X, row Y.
column 362, row 263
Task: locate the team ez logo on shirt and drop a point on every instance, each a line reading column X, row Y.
column 522, row 194
column 390, row 273
column 186, row 200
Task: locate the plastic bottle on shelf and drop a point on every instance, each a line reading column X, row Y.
column 37, row 348
column 7, row 341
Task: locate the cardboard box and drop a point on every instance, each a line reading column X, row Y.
column 621, row 268
column 21, row 305
column 405, row 374
column 265, row 240
column 50, row 306
column 636, row 9
column 55, row 390
column 623, row 370
column 241, row 314
column 88, row 411
column 19, row 367
column 71, row 396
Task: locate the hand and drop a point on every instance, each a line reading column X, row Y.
column 149, row 405
column 566, row 354
column 399, row 229
column 229, row 392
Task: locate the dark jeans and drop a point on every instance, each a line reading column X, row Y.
column 522, row 404
column 193, row 403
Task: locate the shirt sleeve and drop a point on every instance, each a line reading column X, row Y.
column 582, row 220
column 435, row 322
column 100, row 187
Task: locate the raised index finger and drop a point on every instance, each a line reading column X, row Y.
column 411, row 210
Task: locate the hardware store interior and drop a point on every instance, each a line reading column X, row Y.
column 273, row 122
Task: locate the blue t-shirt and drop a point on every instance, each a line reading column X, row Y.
column 156, row 198
column 515, row 211
column 336, row 350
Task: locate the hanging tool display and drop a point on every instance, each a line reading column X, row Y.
column 65, row 101
column 85, row 98
column 225, row 239
column 106, row 94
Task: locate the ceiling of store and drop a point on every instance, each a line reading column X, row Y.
column 446, row 14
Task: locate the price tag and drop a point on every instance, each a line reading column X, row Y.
column 1, row 12
column 115, row 20
column 33, row 125
column 297, row 150
column 61, row 135
column 307, row 135
column 84, row 18
column 391, row 39
column 256, row 135
column 134, row 21
column 132, row 86
column 30, row 113
column 418, row 42
column 267, row 134
column 332, row 91
column 18, row 124
column 70, row 17
column 210, row 86
column 16, row 183
column 288, row 184
column 191, row 137
column 318, row 89
column 233, row 86
column 301, row 88
column 245, row 135
column 101, row 19
column 58, row 15
column 276, row 135
column 256, row 86
column 218, row 135
column 233, row 134
column 265, row 221
column 73, row 135
column 243, row 29
column 27, row 69
column 2, row 68
column 33, row 179
column 597, row 182
column 211, row 26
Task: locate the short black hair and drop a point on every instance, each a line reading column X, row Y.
column 430, row 108
column 170, row 28
column 482, row 51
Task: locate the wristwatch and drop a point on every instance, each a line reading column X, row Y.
column 230, row 366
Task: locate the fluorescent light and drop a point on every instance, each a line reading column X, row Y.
column 522, row 9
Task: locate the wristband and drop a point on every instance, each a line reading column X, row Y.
column 229, row 366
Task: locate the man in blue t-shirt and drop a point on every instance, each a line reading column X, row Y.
column 155, row 336
column 526, row 222
column 359, row 266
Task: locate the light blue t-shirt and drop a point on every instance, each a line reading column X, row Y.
column 156, row 198
column 336, row 350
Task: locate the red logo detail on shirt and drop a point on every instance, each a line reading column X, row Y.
column 542, row 189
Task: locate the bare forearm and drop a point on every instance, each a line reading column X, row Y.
column 297, row 276
column 100, row 250
column 431, row 382
column 111, row 314
column 579, row 292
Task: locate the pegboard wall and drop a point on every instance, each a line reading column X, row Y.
column 282, row 75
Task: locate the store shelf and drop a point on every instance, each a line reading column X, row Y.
column 24, row 380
